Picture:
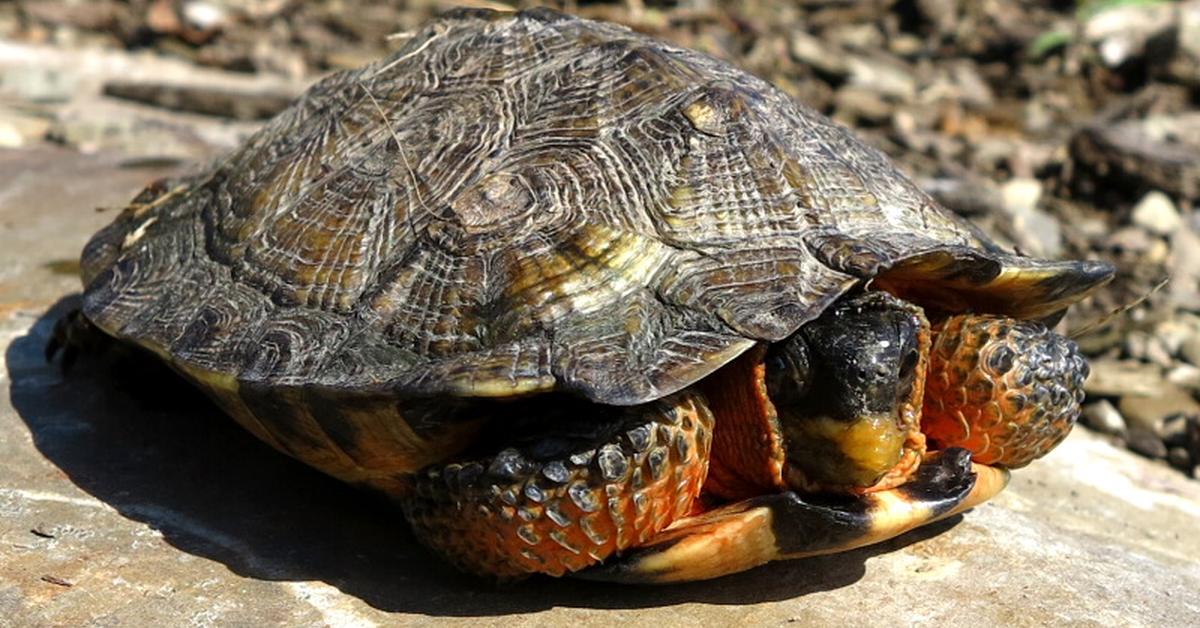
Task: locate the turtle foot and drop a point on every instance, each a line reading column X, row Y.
column 74, row 336
column 566, row 499
column 785, row 525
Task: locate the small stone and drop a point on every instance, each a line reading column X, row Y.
column 855, row 104
column 1157, row 352
column 1189, row 349
column 18, row 129
column 1179, row 458
column 1146, row 443
column 906, row 45
column 1185, row 376
column 1130, row 240
column 1157, row 214
column 1142, row 346
column 205, row 16
column 1114, row 378
column 1021, row 195
column 1150, row 412
column 1038, row 230
column 973, row 89
column 1121, row 31
column 1184, row 266
column 1192, row 442
column 816, row 53
column 1174, row 430
column 39, row 83
column 1103, row 417
column 1135, row 345
column 1173, row 333
column 886, row 77
column 855, row 36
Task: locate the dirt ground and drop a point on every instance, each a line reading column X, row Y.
column 1065, row 129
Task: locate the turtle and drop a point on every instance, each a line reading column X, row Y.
column 582, row 302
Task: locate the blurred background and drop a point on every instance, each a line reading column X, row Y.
column 1064, row 128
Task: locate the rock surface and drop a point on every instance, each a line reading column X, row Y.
column 125, row 499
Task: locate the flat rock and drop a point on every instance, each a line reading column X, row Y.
column 125, row 499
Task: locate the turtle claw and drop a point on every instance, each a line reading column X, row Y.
column 785, row 525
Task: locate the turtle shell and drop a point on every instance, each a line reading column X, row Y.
column 517, row 203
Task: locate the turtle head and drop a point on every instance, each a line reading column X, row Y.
column 847, row 388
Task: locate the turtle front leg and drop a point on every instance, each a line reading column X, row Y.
column 573, row 492
column 785, row 525
column 1006, row 389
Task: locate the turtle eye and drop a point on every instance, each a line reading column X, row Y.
column 787, row 376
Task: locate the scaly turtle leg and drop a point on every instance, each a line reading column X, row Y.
column 574, row 491
column 1007, row 390
column 74, row 335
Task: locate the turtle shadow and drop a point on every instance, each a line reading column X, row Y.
column 143, row 441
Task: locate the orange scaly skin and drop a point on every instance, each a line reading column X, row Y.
column 747, row 454
column 560, row 516
column 996, row 389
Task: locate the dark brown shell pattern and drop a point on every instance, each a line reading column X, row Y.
column 510, row 204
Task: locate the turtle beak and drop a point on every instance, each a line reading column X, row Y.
column 830, row 451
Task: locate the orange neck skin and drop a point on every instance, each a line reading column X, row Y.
column 747, row 456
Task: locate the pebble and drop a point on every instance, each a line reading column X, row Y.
column 1021, row 195
column 817, row 53
column 854, row 105
column 884, row 77
column 1174, row 430
column 1113, row 378
column 1103, row 417
column 1179, row 458
column 1130, row 240
column 1157, row 213
column 1042, row 232
column 205, row 15
column 1121, row 31
column 1193, row 438
column 1146, row 443
column 1172, row 333
column 1185, row 376
column 1189, row 349
column 1150, row 413
column 1143, row 346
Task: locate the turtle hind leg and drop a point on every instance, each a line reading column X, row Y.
column 561, row 501
column 75, row 336
column 784, row 525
